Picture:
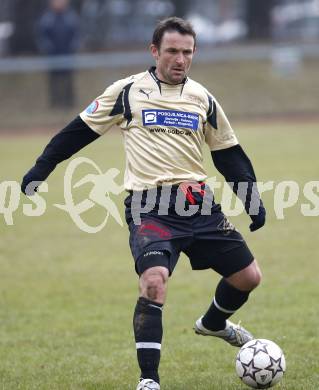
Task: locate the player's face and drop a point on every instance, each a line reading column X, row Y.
column 174, row 57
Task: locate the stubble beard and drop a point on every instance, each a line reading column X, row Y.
column 175, row 80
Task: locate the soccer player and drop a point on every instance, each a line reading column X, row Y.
column 166, row 118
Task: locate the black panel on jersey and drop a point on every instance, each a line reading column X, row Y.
column 118, row 106
column 212, row 113
column 127, row 107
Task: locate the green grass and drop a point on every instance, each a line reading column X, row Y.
column 67, row 297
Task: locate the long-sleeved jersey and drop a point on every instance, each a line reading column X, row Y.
column 164, row 127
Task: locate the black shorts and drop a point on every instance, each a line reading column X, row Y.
column 209, row 241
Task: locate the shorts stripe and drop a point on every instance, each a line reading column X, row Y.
column 222, row 309
column 148, row 345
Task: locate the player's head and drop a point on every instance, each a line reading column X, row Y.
column 173, row 46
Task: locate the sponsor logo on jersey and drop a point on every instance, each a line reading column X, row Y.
column 149, row 117
column 92, row 108
column 170, row 131
column 171, row 118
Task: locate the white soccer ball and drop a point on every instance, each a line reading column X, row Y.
column 260, row 363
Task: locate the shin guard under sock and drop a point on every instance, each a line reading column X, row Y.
column 148, row 333
column 227, row 300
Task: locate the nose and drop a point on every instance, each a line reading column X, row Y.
column 180, row 59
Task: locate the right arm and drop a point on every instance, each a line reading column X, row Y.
column 63, row 145
column 107, row 110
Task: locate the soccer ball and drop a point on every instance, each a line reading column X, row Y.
column 260, row 363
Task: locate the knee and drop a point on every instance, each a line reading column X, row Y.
column 154, row 287
column 253, row 277
column 247, row 279
column 153, row 284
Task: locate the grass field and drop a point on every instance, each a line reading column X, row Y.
column 67, row 297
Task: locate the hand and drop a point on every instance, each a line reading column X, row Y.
column 31, row 177
column 258, row 220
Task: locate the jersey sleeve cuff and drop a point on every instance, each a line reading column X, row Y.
column 85, row 120
column 224, row 146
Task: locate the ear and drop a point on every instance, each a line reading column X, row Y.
column 154, row 51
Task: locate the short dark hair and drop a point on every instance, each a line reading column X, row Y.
column 172, row 24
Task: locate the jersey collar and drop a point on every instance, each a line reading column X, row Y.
column 159, row 82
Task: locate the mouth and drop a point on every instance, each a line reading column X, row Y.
column 178, row 70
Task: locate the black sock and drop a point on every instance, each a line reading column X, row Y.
column 148, row 333
column 227, row 300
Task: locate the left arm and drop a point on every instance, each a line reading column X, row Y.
column 232, row 162
column 236, row 168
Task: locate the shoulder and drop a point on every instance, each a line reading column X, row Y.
column 121, row 84
column 198, row 92
column 135, row 78
column 201, row 89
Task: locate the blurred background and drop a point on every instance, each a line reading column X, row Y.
column 259, row 58
column 66, row 296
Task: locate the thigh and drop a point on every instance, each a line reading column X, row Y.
column 153, row 245
column 226, row 254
